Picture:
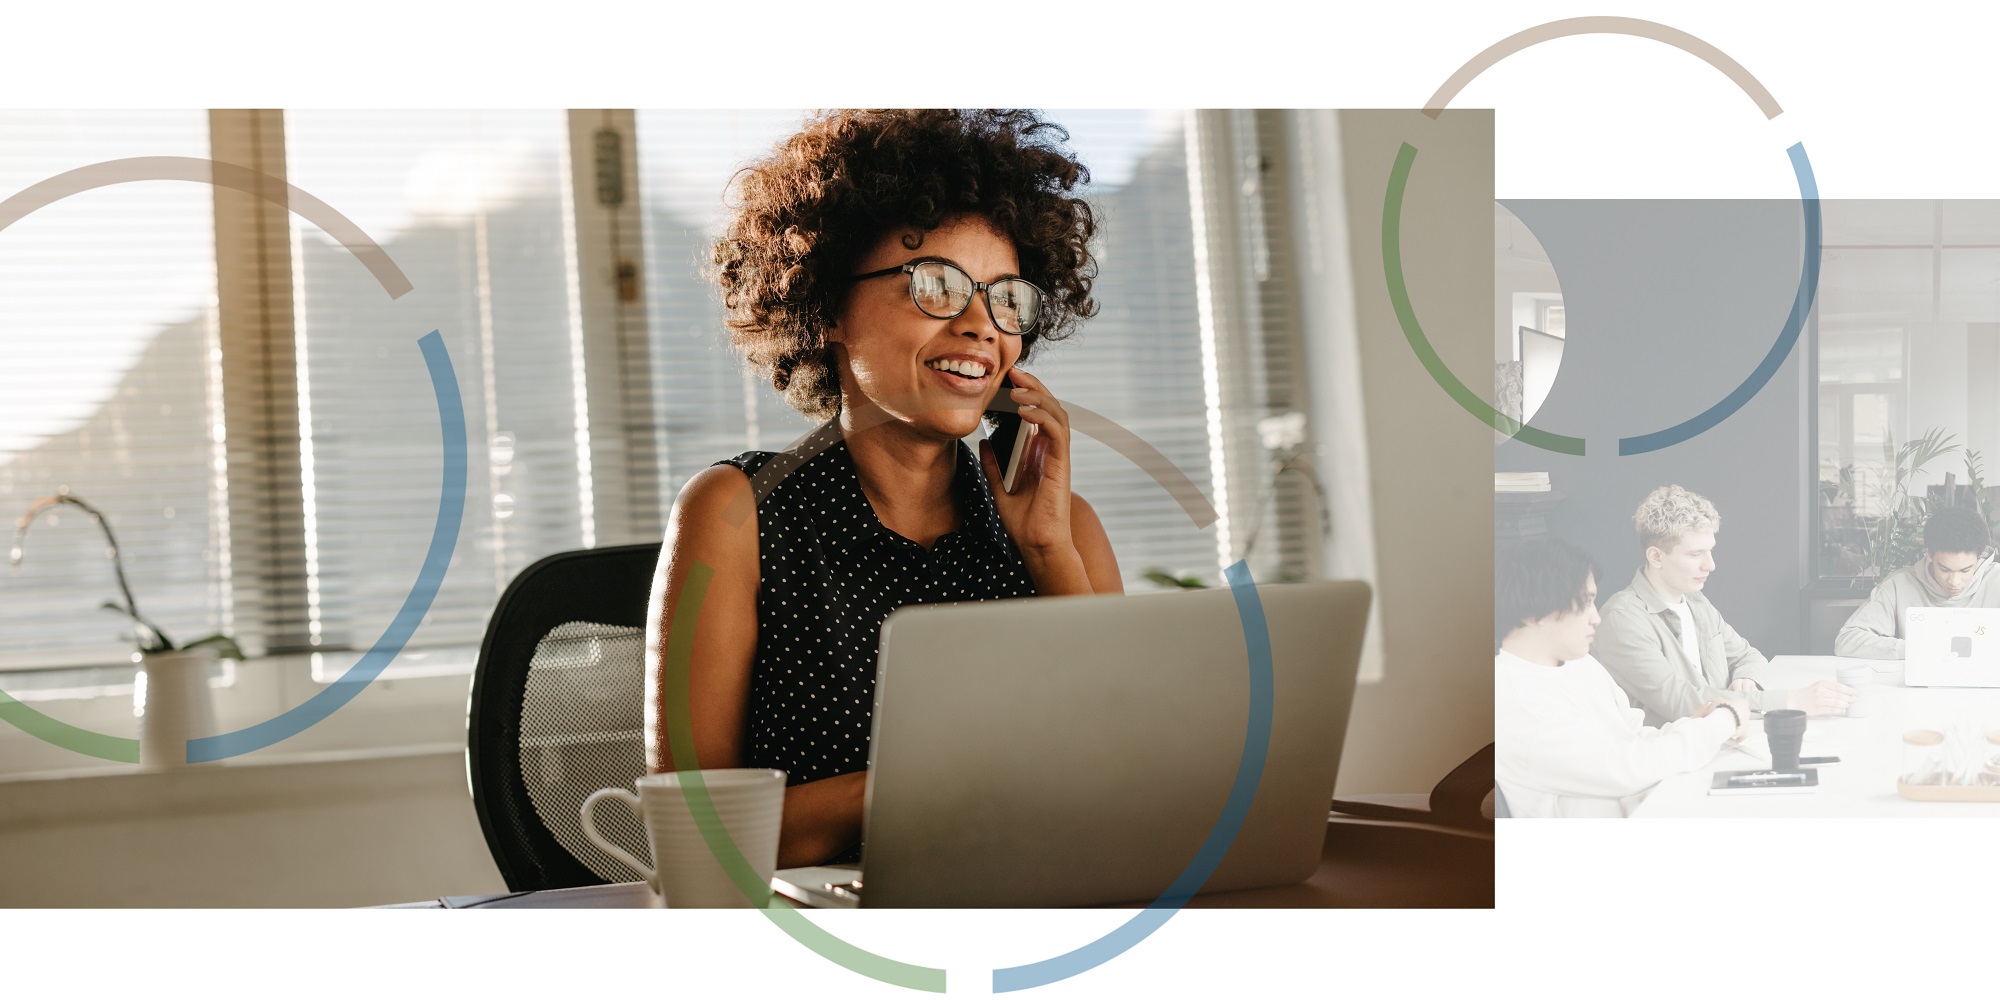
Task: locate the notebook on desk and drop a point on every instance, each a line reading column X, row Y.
column 1086, row 757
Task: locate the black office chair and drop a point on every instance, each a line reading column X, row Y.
column 557, row 712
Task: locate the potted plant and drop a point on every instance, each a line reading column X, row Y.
column 171, row 689
column 1895, row 535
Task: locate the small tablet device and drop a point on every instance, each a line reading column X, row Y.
column 1763, row 782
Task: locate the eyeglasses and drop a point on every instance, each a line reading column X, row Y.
column 943, row 291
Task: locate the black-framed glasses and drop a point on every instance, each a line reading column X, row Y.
column 942, row 290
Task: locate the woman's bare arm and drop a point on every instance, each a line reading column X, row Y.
column 1099, row 562
column 725, row 644
column 821, row 818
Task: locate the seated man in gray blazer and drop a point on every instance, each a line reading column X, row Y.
column 1666, row 645
column 1954, row 572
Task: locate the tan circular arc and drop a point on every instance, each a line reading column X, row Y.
column 205, row 171
column 1633, row 26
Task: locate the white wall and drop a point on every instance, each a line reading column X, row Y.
column 315, row 820
column 1429, row 463
column 1938, row 392
column 327, row 829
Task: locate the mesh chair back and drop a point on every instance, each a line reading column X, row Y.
column 557, row 712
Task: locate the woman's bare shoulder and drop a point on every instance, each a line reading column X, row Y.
column 1100, row 563
column 715, row 515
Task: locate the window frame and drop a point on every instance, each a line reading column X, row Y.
column 1236, row 195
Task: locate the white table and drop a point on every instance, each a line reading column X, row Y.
column 1870, row 750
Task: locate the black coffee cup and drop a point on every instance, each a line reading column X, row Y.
column 1785, row 731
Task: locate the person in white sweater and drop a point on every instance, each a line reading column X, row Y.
column 1568, row 741
column 1955, row 572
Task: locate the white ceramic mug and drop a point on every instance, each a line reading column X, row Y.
column 749, row 802
column 1861, row 678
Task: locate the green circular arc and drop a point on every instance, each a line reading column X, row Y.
column 1413, row 331
column 679, row 654
column 59, row 733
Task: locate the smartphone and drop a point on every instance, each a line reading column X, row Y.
column 1009, row 435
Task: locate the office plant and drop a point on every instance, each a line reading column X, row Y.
column 150, row 637
column 1983, row 497
column 171, row 688
column 1894, row 533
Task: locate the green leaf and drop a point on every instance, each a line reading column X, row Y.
column 1165, row 579
column 1895, row 537
column 149, row 638
column 225, row 647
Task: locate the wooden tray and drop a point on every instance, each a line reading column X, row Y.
column 1949, row 793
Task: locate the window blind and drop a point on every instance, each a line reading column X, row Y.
column 1139, row 361
column 474, row 206
column 109, row 389
column 706, row 405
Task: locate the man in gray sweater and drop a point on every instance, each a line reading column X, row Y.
column 1955, row 572
column 1666, row 645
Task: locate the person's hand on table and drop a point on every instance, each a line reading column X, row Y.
column 1821, row 698
column 1744, row 685
column 1742, row 706
column 1742, row 715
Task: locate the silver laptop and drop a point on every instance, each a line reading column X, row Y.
column 1951, row 647
column 1078, row 750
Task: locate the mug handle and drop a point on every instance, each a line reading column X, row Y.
column 590, row 830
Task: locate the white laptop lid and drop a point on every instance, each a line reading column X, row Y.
column 1069, row 751
column 1951, row 647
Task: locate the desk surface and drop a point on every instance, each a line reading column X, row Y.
column 1870, row 749
column 1364, row 863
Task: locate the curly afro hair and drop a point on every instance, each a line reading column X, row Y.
column 806, row 215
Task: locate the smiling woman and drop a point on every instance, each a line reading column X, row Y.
column 850, row 270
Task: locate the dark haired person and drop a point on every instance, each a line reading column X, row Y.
column 884, row 270
column 1567, row 742
column 1667, row 644
column 1954, row 572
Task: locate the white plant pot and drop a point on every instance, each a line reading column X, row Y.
column 173, row 705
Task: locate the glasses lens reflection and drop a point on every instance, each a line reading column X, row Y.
column 940, row 289
column 1016, row 305
column 943, row 291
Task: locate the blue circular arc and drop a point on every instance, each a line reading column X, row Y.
column 1802, row 304
column 444, row 538
column 1249, row 771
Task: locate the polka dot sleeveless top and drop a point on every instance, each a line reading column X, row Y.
column 831, row 574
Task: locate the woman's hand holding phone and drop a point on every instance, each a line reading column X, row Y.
column 1036, row 512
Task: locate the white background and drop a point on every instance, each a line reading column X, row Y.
column 1891, row 101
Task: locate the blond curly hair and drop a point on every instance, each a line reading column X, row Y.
column 1671, row 513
